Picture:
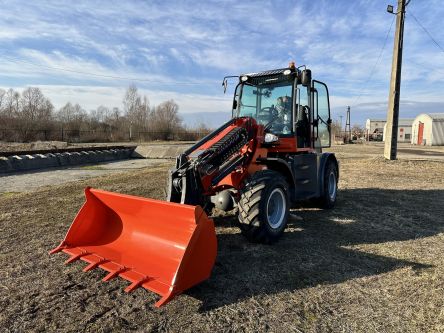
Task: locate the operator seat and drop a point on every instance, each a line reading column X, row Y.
column 303, row 127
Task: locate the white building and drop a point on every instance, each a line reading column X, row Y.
column 404, row 130
column 374, row 129
column 428, row 129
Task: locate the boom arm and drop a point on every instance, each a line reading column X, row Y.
column 205, row 164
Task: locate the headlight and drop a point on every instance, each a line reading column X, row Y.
column 287, row 72
column 269, row 138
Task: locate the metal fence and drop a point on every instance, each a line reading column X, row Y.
column 74, row 136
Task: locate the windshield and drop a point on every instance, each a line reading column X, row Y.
column 268, row 104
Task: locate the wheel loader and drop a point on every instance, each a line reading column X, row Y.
column 267, row 157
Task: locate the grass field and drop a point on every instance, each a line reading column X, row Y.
column 373, row 264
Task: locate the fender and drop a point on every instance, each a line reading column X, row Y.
column 280, row 165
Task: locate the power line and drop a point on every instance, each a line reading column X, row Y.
column 19, row 61
column 376, row 63
column 426, row 31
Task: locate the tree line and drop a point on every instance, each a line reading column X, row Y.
column 30, row 116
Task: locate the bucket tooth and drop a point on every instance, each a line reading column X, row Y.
column 59, row 248
column 76, row 257
column 113, row 274
column 165, row 299
column 93, row 265
column 137, row 284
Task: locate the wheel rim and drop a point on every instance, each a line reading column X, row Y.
column 276, row 207
column 332, row 188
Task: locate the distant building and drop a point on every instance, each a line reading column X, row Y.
column 374, row 129
column 428, row 129
column 404, row 130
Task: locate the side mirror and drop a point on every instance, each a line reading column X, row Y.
column 306, row 78
column 225, row 84
column 225, row 81
column 234, row 104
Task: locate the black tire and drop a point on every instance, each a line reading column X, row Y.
column 330, row 189
column 262, row 220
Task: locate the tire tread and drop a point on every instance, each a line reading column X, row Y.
column 250, row 206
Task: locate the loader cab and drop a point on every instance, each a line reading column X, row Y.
column 265, row 103
column 289, row 104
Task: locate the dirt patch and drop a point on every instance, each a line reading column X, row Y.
column 30, row 181
column 372, row 264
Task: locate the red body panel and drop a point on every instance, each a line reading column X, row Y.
column 254, row 150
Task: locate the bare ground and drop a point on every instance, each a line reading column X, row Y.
column 373, row 264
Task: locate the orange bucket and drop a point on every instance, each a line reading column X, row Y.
column 161, row 246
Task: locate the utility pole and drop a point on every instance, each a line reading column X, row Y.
column 347, row 126
column 391, row 136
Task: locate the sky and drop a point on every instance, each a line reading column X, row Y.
column 89, row 52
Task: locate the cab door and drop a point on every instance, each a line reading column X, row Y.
column 321, row 115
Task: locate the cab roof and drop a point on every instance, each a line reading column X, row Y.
column 272, row 72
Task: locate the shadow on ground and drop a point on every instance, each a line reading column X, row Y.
column 313, row 252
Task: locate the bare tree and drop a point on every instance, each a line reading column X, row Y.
column 2, row 99
column 165, row 120
column 64, row 114
column 16, row 102
column 28, row 115
column 137, row 110
column 3, row 120
column 99, row 116
column 131, row 100
column 8, row 115
column 130, row 104
column 31, row 101
column 11, row 103
column 35, row 108
column 115, row 113
column 73, row 118
column 116, row 125
column 102, row 113
column 142, row 113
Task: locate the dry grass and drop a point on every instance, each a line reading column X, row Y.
column 37, row 145
column 373, row 264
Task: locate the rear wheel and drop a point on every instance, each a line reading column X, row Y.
column 264, row 206
column 330, row 190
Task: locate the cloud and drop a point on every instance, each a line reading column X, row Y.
column 181, row 50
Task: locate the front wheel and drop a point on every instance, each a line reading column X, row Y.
column 264, row 207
